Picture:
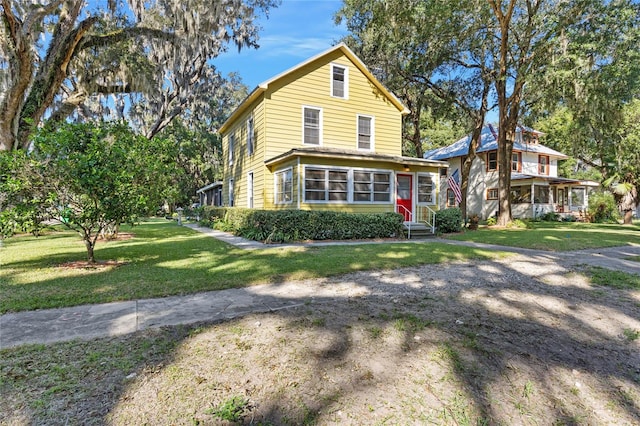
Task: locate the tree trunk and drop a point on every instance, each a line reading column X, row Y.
column 53, row 72
column 478, row 119
column 628, row 217
column 90, row 246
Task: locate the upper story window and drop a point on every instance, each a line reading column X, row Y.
column 492, row 160
column 312, row 126
column 365, row 133
column 543, row 164
column 232, row 140
column 516, row 162
column 339, row 81
column 250, row 136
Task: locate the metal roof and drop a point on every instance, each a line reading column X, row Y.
column 489, row 142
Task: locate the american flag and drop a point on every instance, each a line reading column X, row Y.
column 454, row 185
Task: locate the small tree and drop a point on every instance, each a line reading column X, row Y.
column 90, row 178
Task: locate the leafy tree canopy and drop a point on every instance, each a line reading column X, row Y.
column 67, row 57
column 87, row 177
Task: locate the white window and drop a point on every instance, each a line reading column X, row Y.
column 231, row 147
column 425, row 189
column 284, row 186
column 365, row 132
column 371, row 187
column 250, row 136
column 231, row 192
column 312, row 126
column 328, row 185
column 250, row 190
column 339, row 81
column 578, row 197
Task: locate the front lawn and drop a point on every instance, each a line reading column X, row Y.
column 166, row 259
column 555, row 236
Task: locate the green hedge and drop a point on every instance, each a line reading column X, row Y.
column 449, row 220
column 276, row 226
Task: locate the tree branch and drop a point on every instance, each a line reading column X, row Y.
column 123, row 35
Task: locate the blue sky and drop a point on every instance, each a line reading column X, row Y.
column 293, row 32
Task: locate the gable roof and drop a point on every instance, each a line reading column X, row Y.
column 489, row 142
column 262, row 87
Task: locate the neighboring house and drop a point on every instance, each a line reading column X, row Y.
column 536, row 188
column 210, row 195
column 324, row 135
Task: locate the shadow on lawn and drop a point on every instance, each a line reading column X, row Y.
column 486, row 344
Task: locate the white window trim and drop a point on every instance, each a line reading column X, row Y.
column 250, row 135
column 434, row 190
column 325, row 168
column 250, row 189
column 321, row 124
column 379, row 171
column 373, row 132
column 275, row 186
column 346, row 81
column 231, row 145
column 350, row 185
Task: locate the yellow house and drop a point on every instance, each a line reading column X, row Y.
column 325, row 135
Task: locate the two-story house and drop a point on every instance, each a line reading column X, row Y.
column 325, row 134
column 536, row 187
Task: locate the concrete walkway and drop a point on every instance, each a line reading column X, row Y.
column 118, row 318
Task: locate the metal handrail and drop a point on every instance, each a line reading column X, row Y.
column 410, row 218
column 430, row 220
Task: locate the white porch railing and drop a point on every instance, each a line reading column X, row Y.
column 406, row 213
column 424, row 214
column 427, row 216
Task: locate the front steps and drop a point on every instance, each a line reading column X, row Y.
column 419, row 231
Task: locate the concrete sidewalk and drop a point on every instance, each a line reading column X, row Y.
column 113, row 319
column 118, row 318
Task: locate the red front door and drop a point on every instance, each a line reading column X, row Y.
column 404, row 196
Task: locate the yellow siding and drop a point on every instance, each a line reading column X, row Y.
column 298, row 184
column 278, row 127
column 243, row 163
column 310, row 86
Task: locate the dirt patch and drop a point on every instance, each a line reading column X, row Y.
column 120, row 236
column 98, row 265
column 522, row 340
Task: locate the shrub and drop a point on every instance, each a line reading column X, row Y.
column 602, row 208
column 449, row 220
column 276, row 226
column 550, row 217
column 492, row 221
column 518, row 223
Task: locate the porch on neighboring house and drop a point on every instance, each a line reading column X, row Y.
column 210, row 195
column 535, row 196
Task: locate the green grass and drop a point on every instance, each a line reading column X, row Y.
column 555, row 236
column 166, row 259
column 634, row 258
column 614, row 279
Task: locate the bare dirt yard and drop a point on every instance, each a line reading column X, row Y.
column 520, row 340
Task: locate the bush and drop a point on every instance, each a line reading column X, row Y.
column 449, row 220
column 492, row 221
column 518, row 223
column 550, row 217
column 276, row 226
column 602, row 208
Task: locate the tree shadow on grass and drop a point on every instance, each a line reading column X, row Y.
column 450, row 344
